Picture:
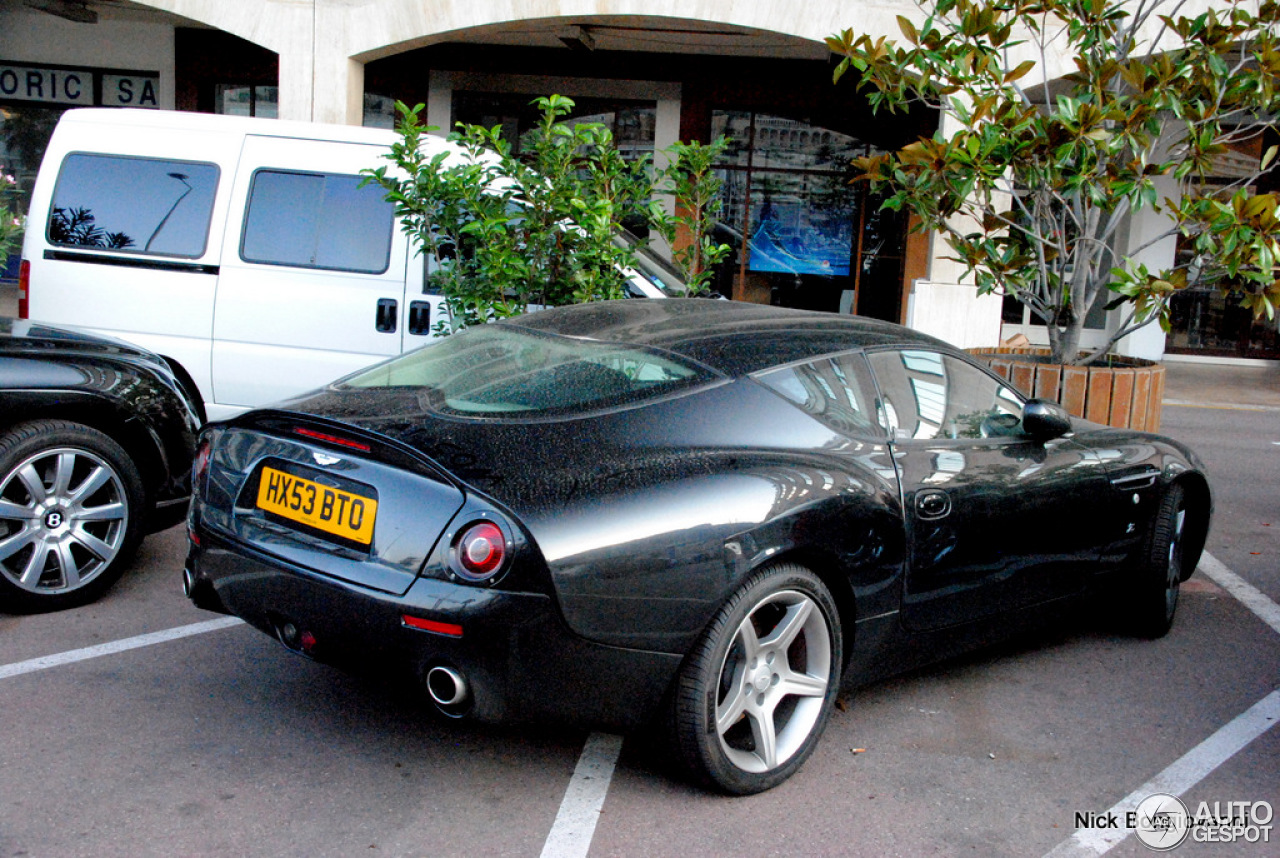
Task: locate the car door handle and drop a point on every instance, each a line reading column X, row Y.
column 932, row 505
column 385, row 318
column 419, row 318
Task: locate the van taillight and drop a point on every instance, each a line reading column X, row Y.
column 24, row 289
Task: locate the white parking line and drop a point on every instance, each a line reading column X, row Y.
column 31, row 665
column 1184, row 774
column 1247, row 594
column 575, row 824
column 1200, row 761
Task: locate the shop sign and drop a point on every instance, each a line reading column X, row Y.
column 78, row 87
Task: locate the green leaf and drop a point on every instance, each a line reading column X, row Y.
column 1023, row 69
column 909, row 30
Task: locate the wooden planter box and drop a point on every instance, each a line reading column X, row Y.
column 1128, row 392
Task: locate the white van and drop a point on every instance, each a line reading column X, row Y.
column 243, row 250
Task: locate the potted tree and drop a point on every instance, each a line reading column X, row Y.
column 505, row 230
column 1032, row 184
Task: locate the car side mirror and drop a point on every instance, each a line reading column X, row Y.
column 1045, row 420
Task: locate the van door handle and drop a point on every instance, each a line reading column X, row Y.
column 419, row 318
column 385, row 319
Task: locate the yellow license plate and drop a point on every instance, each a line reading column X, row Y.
column 331, row 510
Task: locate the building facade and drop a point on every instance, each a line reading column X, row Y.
column 658, row 71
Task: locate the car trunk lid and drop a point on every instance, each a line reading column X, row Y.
column 328, row 497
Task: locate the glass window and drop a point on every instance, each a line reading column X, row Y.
column 508, row 371
column 632, row 123
column 835, row 390
column 1207, row 322
column 317, row 220
column 142, row 205
column 262, row 101
column 925, row 395
column 379, row 111
column 802, row 233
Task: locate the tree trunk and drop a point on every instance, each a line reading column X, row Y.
column 1064, row 341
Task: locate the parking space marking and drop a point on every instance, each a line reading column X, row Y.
column 1203, row 759
column 45, row 662
column 1185, row 773
column 1247, row 594
column 575, row 823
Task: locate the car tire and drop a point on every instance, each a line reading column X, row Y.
column 1153, row 594
column 755, row 693
column 71, row 508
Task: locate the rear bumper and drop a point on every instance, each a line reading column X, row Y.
column 519, row 659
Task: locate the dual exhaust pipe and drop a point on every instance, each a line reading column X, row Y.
column 446, row 686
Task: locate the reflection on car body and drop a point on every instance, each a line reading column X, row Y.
column 712, row 510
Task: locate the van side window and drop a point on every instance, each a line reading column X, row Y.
column 317, row 220
column 138, row 205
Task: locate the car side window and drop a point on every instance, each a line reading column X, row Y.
column 836, row 390
column 317, row 220
column 137, row 205
column 927, row 395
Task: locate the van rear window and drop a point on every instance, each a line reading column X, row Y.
column 140, row 205
column 317, row 220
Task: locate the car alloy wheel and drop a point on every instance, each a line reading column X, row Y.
column 69, row 499
column 756, row 692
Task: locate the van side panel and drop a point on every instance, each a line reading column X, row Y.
column 312, row 281
column 125, row 285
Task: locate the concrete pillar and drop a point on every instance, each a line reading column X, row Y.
column 1150, row 241
column 948, row 305
column 295, row 84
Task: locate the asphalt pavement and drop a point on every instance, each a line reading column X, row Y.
column 1252, row 386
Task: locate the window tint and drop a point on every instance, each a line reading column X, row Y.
column 140, row 205
column 834, row 390
column 926, row 395
column 317, row 220
column 507, row 371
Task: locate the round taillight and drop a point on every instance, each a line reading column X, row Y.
column 481, row 549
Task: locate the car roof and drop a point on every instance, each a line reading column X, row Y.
column 733, row 337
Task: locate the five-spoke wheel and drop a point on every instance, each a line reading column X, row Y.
column 756, row 692
column 70, row 499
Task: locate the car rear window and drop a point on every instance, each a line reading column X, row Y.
column 508, row 371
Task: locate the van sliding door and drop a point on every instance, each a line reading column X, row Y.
column 312, row 284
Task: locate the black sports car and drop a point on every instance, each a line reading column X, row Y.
column 96, row 442
column 712, row 510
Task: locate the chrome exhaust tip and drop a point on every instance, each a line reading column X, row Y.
column 188, row 583
column 447, row 688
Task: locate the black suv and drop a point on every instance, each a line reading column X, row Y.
column 96, row 442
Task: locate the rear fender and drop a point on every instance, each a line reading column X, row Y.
column 648, row 567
